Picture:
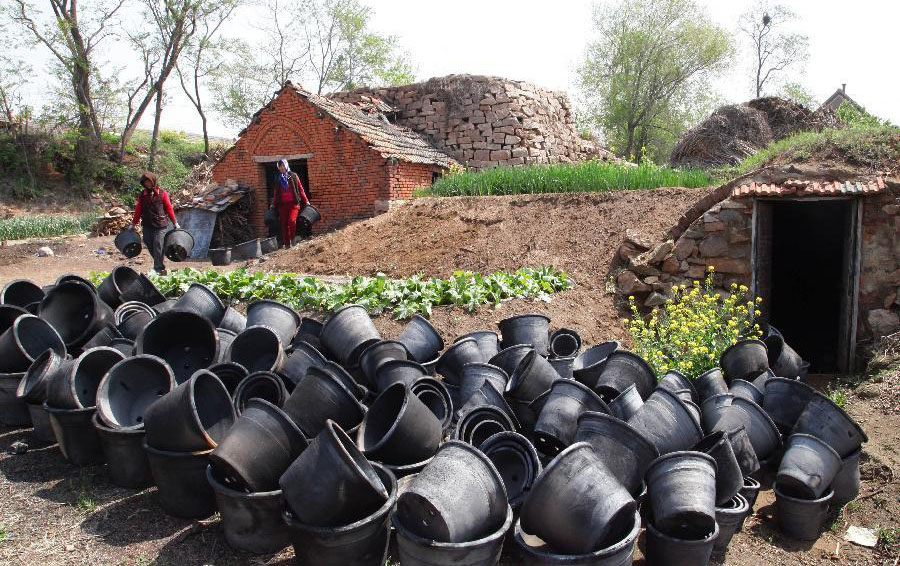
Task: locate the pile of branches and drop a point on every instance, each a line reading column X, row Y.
column 729, row 135
column 233, row 224
column 786, row 117
column 110, row 224
column 199, row 181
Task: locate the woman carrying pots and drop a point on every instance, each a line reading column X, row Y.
column 153, row 209
column 289, row 198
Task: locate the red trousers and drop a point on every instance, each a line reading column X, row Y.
column 287, row 215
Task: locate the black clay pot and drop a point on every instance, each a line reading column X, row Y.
column 307, row 217
column 421, row 339
column 28, row 338
column 378, row 353
column 309, row 331
column 247, row 250
column 807, row 468
column 331, row 483
column 557, row 422
column 533, row 376
column 845, row 484
column 75, row 433
column 347, row 333
column 729, row 478
column 181, row 485
column 785, row 400
column 13, row 410
column 473, row 375
column 164, row 306
column 75, row 312
column 194, row 416
column 226, row 337
column 682, row 488
column 251, row 522
column 103, row 337
column 257, row 348
column 178, row 244
column 626, row 404
column 458, row 497
column 729, row 518
column 277, row 316
column 436, row 397
column 826, row 421
column 508, row 359
column 74, row 386
column 361, row 543
column 714, row 409
column 801, row 519
column 8, row 315
column 126, row 459
column 415, row 550
column 624, row 450
column 783, row 360
column 123, row 345
column 185, row 340
column 143, row 290
column 219, row 256
column 264, row 385
column 302, row 357
column 674, row 380
column 662, row 548
column 21, row 293
column 750, row 491
column 743, row 451
column 744, row 360
column 710, row 383
column 531, row 329
column 760, row 381
column 233, row 320
column 132, row 319
column 535, row 552
column 516, row 461
column 478, row 424
column 667, row 422
column 268, row 245
column 129, row 388
column 398, row 371
column 745, row 389
column 118, row 280
column 319, row 397
column 487, row 394
column 564, row 343
column 42, row 431
column 258, row 449
column 32, row 388
column 577, row 505
column 763, row 433
column 621, row 369
column 589, row 364
column 453, row 359
column 488, row 342
column 398, row 428
column 200, row 299
column 563, row 366
column 230, row 374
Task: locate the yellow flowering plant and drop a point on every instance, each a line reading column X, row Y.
column 691, row 330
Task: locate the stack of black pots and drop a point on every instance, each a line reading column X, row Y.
column 324, row 434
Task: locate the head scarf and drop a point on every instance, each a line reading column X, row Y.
column 149, row 176
column 287, row 167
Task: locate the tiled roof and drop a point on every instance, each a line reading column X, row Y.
column 218, row 198
column 797, row 187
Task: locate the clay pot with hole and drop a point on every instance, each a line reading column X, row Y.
column 674, row 380
column 111, row 288
column 233, row 320
column 416, row 550
column 435, row 396
column 533, row 376
column 202, row 300
column 745, row 389
column 32, row 388
column 302, row 357
column 129, row 388
column 625, row 451
column 508, row 358
column 785, row 400
column 801, row 519
column 662, row 548
column 764, row 435
column 621, row 369
column 185, row 340
column 398, row 371
column 21, row 292
column 783, row 360
column 474, row 374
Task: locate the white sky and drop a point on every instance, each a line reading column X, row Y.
column 542, row 42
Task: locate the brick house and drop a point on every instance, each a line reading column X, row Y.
column 353, row 163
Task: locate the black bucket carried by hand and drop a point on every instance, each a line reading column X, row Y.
column 305, row 220
column 128, row 242
column 178, row 244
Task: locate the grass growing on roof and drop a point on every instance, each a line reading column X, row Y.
column 27, row 226
column 584, row 177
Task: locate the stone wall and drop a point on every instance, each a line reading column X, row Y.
column 484, row 122
column 879, row 274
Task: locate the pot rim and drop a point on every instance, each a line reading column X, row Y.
column 233, row 493
column 628, row 539
column 428, row 326
column 829, row 493
column 499, row 533
column 756, row 408
column 16, row 281
column 745, row 383
column 745, row 342
column 103, row 387
column 742, row 508
column 641, row 361
column 680, row 454
column 684, row 379
column 521, row 316
column 603, row 417
column 405, row 467
column 458, row 344
column 592, row 395
column 192, row 399
column 492, row 410
column 683, row 403
column 98, row 424
column 720, row 436
column 338, row 436
column 76, row 363
column 684, row 541
column 95, row 299
column 172, row 453
column 334, row 314
column 15, row 335
column 815, row 440
column 595, row 347
column 845, row 414
column 57, row 411
column 54, row 361
column 307, row 349
column 279, row 304
column 751, row 483
column 792, row 382
column 270, row 376
column 475, row 333
column 710, row 372
column 441, row 389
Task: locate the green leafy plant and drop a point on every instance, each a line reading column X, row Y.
column 2, row 533
column 26, row 226
column 888, row 536
column 691, row 330
column 838, row 395
column 404, row 297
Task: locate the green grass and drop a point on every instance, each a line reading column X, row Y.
column 585, row 177
column 2, row 533
column 888, row 536
column 23, row 226
column 838, row 395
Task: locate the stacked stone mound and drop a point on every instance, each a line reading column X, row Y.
column 484, row 122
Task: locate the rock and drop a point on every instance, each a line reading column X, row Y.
column 627, row 250
column 883, row 322
column 651, row 280
column 728, row 265
column 629, row 284
column 660, row 286
column 696, row 272
column 45, row 251
column 18, row 447
column 862, row 536
column 116, row 211
column 696, row 231
column 714, row 226
column 891, row 209
column 671, row 264
column 684, row 247
column 737, row 234
column 655, row 299
column 637, row 239
column 867, row 391
column 713, row 245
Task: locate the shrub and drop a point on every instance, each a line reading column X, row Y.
column 22, row 226
column 690, row 331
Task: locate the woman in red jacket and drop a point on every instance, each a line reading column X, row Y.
column 154, row 210
column 287, row 201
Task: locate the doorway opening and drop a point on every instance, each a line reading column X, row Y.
column 298, row 166
column 805, row 270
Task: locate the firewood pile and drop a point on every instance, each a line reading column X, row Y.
column 112, row 222
column 233, row 224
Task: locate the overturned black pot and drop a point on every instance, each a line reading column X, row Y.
column 729, row 477
column 226, row 337
column 662, row 548
column 13, row 409
column 516, row 461
column 321, row 397
column 714, row 409
column 744, row 360
column 764, row 435
column 577, row 505
column 123, row 345
column 131, row 318
column 129, row 388
column 682, row 488
column 453, row 359
column 8, row 315
column 32, row 388
column 219, row 256
column 487, row 394
column 378, row 353
column 75, row 433
column 625, row 451
column 74, row 386
column 143, row 290
column 302, row 357
column 823, row 419
column 564, row 343
column 398, row 371
column 621, row 369
column 361, row 543
column 674, row 380
column 252, row 522
column 264, row 385
column 801, row 519
column 557, row 422
column 845, row 484
column 347, row 333
column 178, row 244
column 477, row 424
column 488, row 342
column 667, row 422
column 508, row 358
column 729, row 518
column 785, row 400
column 257, row 348
column 103, row 337
column 807, row 468
column 563, row 366
column 745, row 389
column 195, row 416
column 531, row 329
column 436, row 397
column 260, row 446
column 27, row 338
column 626, row 404
column 532, row 377
column 743, row 451
column 21, row 293
column 185, row 340
column 398, row 428
column 278, row 316
column 200, row 299
column 474, row 374
column 118, row 280
column 535, row 552
column 42, row 431
column 230, row 374
column 588, row 365
column 233, row 320
column 710, row 383
column 421, row 339
column 126, row 459
column 181, row 485
column 331, row 483
column 75, row 312
column 783, row 360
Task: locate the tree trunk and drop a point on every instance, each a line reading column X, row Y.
column 155, row 139
column 205, row 135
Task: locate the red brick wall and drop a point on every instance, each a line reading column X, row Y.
column 346, row 177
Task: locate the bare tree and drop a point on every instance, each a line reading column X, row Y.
column 774, row 48
column 13, row 72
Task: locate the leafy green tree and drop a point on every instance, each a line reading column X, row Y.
column 645, row 78
column 798, row 93
column 775, row 50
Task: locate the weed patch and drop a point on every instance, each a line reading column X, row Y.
column 26, row 226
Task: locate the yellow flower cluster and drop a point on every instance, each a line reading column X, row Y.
column 690, row 331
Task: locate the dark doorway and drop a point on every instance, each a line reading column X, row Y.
column 806, row 262
column 297, row 165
